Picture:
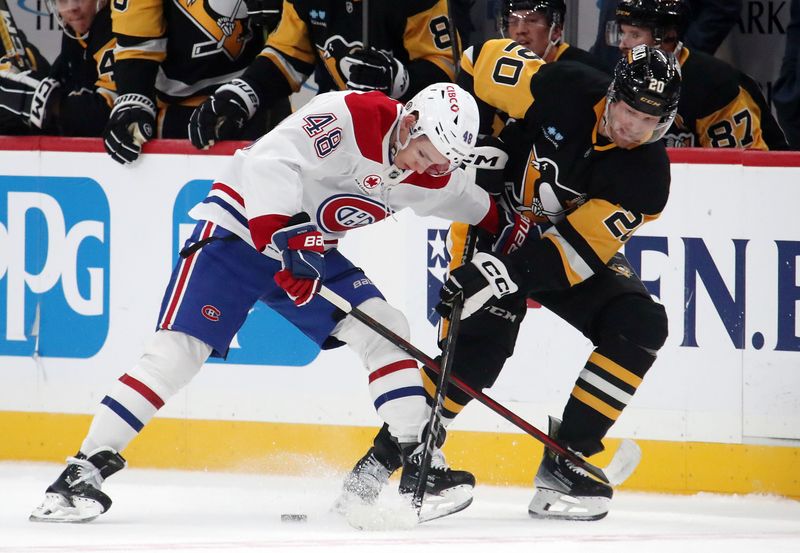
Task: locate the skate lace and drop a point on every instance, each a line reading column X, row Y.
column 87, row 472
column 575, row 468
column 374, row 470
column 438, row 461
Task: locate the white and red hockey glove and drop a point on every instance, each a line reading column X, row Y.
column 303, row 261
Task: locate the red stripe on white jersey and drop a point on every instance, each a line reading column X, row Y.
column 144, row 390
column 229, row 191
column 186, row 266
column 392, row 368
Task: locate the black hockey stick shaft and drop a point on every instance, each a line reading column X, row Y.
column 429, row 362
column 365, row 23
column 454, row 44
column 443, row 380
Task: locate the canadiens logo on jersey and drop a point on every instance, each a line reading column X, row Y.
column 224, row 22
column 345, row 212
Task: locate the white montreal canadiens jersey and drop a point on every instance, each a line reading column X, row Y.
column 329, row 159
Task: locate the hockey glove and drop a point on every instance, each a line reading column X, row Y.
column 303, row 262
column 224, row 114
column 29, row 98
column 481, row 281
column 131, row 124
column 514, row 230
column 369, row 69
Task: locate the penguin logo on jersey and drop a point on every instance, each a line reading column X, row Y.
column 345, row 212
column 224, row 22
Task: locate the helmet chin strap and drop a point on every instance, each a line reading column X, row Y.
column 550, row 42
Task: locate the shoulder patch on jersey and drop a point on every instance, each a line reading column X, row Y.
column 373, row 116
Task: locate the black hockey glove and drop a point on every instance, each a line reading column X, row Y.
column 371, row 69
column 224, row 114
column 29, row 98
column 131, row 123
column 481, row 281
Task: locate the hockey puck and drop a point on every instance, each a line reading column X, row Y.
column 293, row 517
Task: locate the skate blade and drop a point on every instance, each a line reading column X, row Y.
column 57, row 508
column 447, row 503
column 552, row 504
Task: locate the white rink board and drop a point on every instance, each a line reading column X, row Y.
column 721, row 390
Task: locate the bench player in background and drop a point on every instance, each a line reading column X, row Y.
column 169, row 58
column 587, row 167
column 720, row 107
column 538, row 25
column 346, row 159
column 76, row 96
column 409, row 48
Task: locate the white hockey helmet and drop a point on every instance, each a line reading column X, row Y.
column 448, row 115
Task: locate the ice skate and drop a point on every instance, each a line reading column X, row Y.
column 566, row 491
column 447, row 492
column 75, row 496
column 365, row 482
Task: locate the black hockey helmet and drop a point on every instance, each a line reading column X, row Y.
column 657, row 15
column 648, row 80
column 555, row 10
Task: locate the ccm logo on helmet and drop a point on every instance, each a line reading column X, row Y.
column 451, row 96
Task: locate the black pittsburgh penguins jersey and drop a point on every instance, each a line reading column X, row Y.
column 85, row 69
column 561, row 171
column 186, row 47
column 567, row 52
column 720, row 107
column 414, row 31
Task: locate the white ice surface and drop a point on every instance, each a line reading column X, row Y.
column 195, row 511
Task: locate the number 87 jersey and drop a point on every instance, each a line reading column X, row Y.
column 561, row 170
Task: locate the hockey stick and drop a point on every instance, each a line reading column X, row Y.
column 443, row 380
column 365, row 23
column 622, row 464
column 13, row 48
column 451, row 30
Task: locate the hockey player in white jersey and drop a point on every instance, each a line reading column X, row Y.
column 268, row 231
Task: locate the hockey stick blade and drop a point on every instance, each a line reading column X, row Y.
column 626, row 463
column 623, row 463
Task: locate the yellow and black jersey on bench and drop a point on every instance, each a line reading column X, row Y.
column 561, row 170
column 567, row 52
column 721, row 107
column 186, row 47
column 85, row 69
column 313, row 31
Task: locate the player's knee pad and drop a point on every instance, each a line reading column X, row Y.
column 170, row 360
column 366, row 341
column 637, row 319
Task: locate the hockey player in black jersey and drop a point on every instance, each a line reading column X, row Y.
column 409, row 48
column 720, row 106
column 587, row 168
column 170, row 57
column 538, row 25
column 74, row 98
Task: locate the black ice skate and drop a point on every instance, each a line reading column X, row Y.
column 447, row 491
column 75, row 496
column 566, row 491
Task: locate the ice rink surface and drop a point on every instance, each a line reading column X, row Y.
column 170, row 511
